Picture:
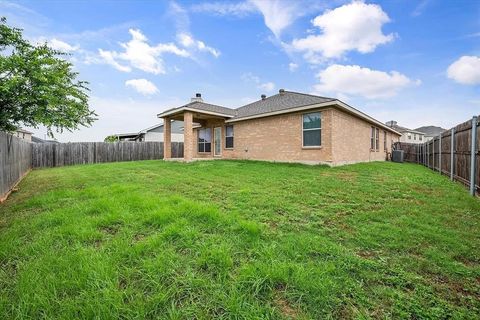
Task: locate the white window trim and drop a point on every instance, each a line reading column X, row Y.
column 311, row 129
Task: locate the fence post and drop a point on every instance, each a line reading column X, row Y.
column 473, row 156
column 428, row 154
column 452, row 150
column 440, row 154
column 424, row 154
column 433, row 154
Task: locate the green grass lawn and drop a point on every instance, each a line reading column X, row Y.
column 239, row 239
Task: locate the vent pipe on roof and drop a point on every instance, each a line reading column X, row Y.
column 198, row 97
column 281, row 91
column 263, row 97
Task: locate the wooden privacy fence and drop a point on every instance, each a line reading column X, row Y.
column 15, row 162
column 18, row 156
column 455, row 153
column 65, row 154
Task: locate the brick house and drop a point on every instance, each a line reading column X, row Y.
column 286, row 127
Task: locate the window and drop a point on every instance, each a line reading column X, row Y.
column 204, row 140
column 385, row 140
column 420, row 137
column 312, row 129
column 375, row 139
column 229, row 137
column 372, row 139
column 414, row 136
column 409, row 135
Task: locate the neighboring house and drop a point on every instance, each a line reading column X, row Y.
column 23, row 134
column 38, row 140
column 126, row 136
column 408, row 135
column 154, row 133
column 430, row 131
column 287, row 127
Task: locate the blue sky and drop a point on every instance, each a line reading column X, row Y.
column 417, row 62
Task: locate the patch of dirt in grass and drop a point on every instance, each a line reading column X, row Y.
column 110, row 229
column 467, row 262
column 453, row 290
column 285, row 308
column 365, row 254
column 283, row 305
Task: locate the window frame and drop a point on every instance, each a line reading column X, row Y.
column 377, row 139
column 311, row 129
column 204, row 143
column 372, row 138
column 232, row 136
column 385, row 140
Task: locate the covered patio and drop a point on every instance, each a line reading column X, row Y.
column 207, row 144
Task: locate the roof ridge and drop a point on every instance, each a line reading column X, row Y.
column 309, row 94
column 211, row 104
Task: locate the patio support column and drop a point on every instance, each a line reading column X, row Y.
column 167, row 138
column 188, row 136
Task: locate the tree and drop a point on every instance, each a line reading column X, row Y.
column 111, row 138
column 38, row 86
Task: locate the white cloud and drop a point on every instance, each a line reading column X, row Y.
column 108, row 57
column 277, row 14
column 292, row 67
column 188, row 41
column 358, row 81
column 142, row 86
column 141, row 55
column 226, row 8
column 466, row 70
column 62, row 45
column 355, row 26
column 267, row 86
column 420, row 8
column 57, row 44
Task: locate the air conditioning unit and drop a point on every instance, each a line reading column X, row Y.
column 397, row 156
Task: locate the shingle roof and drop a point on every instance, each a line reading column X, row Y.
column 431, row 130
column 278, row 102
column 202, row 106
column 398, row 128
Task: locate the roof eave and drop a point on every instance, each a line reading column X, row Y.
column 181, row 109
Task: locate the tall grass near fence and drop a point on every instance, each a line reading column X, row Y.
column 18, row 156
column 455, row 153
column 15, row 161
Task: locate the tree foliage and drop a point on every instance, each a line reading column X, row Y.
column 38, row 86
column 111, row 138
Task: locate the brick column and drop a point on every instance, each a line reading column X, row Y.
column 167, row 138
column 188, row 143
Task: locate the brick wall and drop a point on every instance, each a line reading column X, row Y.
column 345, row 139
column 351, row 140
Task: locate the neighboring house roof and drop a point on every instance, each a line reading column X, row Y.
column 176, row 127
column 23, row 131
column 403, row 129
column 283, row 102
column 431, row 131
column 38, row 140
